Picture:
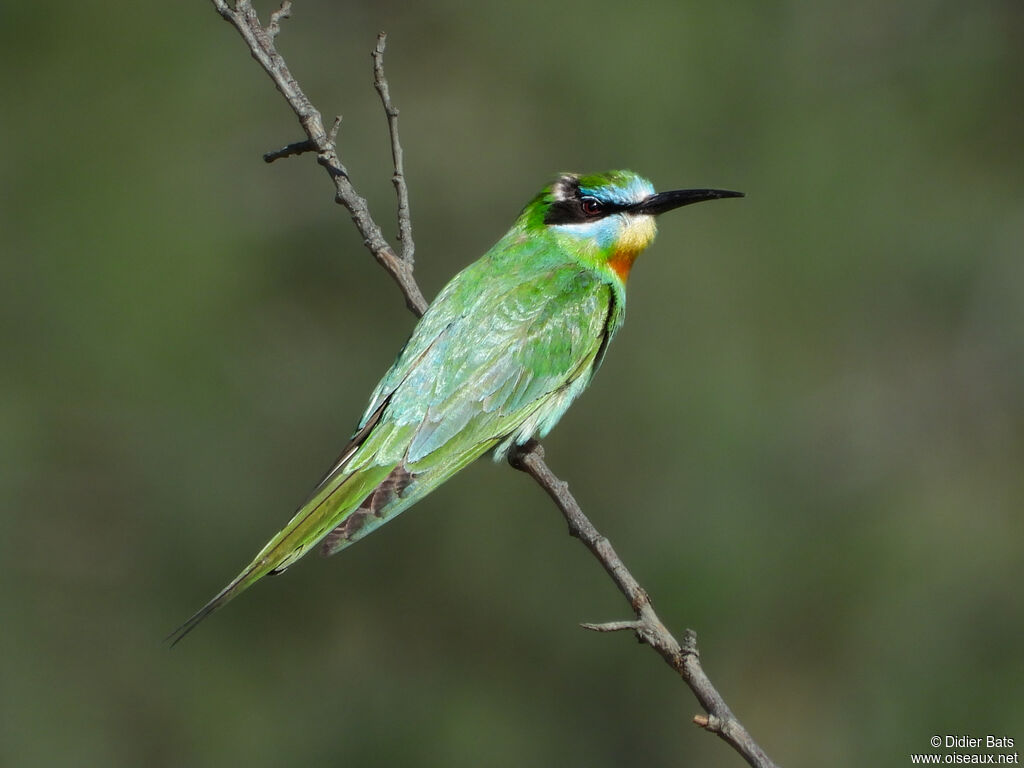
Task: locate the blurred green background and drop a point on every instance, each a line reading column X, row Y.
column 807, row 442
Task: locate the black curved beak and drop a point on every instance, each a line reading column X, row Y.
column 677, row 198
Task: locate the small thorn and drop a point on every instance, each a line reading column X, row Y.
column 689, row 644
column 711, row 723
column 333, row 133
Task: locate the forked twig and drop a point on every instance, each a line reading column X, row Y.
column 261, row 44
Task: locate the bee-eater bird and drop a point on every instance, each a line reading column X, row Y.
column 498, row 357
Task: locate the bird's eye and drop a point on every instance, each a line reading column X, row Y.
column 591, row 206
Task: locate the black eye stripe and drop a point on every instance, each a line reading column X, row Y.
column 573, row 209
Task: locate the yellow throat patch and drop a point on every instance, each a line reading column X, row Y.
column 637, row 235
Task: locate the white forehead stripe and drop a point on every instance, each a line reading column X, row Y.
column 564, row 187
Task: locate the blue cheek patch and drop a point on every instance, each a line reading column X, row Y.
column 603, row 232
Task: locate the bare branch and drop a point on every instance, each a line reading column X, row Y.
column 684, row 657
column 261, row 44
column 398, row 178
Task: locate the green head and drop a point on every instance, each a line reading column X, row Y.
column 607, row 217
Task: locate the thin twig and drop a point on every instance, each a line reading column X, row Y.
column 684, row 657
column 398, row 178
column 613, row 626
column 282, row 13
column 295, row 148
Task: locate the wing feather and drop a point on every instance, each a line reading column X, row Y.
column 513, row 359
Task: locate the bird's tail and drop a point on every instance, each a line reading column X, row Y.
column 329, row 506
